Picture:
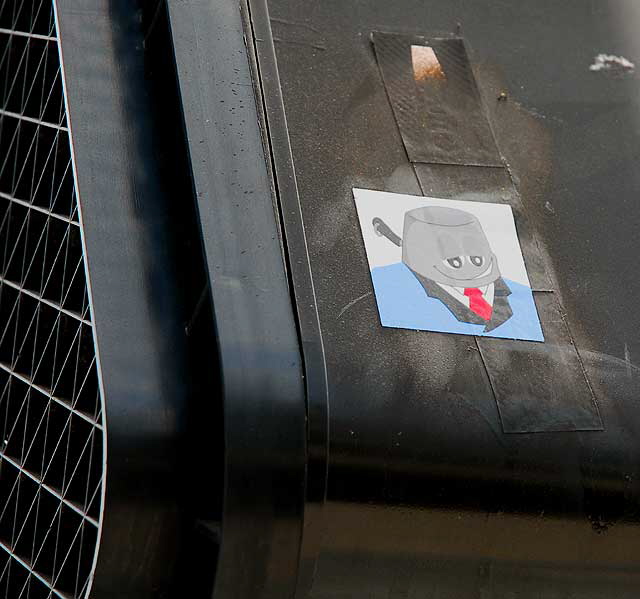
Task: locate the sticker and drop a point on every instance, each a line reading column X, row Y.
column 444, row 265
column 435, row 100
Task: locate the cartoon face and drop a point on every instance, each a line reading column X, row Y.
column 448, row 246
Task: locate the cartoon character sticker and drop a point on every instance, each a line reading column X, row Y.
column 456, row 266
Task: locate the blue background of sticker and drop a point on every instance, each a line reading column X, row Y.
column 403, row 303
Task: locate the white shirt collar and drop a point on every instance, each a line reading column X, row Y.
column 458, row 293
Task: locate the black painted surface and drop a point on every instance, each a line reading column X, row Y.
column 426, row 495
column 261, row 370
column 146, row 275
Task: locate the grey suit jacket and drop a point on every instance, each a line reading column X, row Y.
column 501, row 308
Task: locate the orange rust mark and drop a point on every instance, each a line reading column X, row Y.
column 425, row 64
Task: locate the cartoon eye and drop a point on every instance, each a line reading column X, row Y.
column 476, row 260
column 455, row 262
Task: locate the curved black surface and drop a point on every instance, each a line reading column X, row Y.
column 426, row 495
column 295, row 240
column 145, row 271
column 262, row 386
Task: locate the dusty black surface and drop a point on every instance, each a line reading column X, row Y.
column 426, row 494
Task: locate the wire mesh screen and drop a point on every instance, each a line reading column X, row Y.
column 50, row 405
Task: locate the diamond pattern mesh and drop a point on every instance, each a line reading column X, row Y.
column 50, row 405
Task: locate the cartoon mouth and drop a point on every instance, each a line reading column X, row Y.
column 482, row 274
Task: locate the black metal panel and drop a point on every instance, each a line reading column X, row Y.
column 427, row 496
column 261, row 366
column 149, row 298
column 274, row 123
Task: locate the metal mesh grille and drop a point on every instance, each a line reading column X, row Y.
column 50, row 406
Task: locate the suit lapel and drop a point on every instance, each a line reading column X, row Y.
column 457, row 308
column 501, row 308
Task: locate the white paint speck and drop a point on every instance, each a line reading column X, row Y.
column 610, row 62
column 627, row 359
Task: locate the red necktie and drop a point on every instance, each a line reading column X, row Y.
column 477, row 304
